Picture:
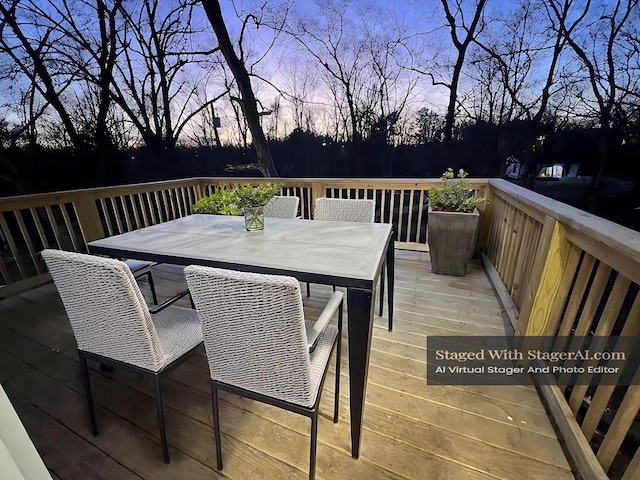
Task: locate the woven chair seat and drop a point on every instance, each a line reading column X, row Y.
column 178, row 331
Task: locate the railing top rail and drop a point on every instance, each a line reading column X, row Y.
column 607, row 232
column 99, row 191
column 623, row 239
column 104, row 191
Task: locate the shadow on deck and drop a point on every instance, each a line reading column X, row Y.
column 411, row 430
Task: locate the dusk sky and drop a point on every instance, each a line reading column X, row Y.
column 393, row 56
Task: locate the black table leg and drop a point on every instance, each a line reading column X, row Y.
column 390, row 265
column 360, row 328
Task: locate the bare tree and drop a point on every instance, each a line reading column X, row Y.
column 247, row 100
column 33, row 52
column 597, row 34
column 154, row 81
column 364, row 63
column 330, row 38
column 301, row 82
column 462, row 34
column 522, row 47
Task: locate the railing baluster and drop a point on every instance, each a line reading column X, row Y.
column 624, row 418
column 27, row 240
column 136, row 204
column 107, row 217
column 39, row 227
column 13, row 247
column 125, row 212
column 410, row 217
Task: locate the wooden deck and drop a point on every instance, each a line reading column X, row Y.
column 411, row 430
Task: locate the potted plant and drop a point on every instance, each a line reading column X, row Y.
column 252, row 199
column 452, row 224
column 240, row 199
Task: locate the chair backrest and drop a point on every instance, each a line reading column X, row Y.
column 107, row 311
column 345, row 210
column 282, row 207
column 254, row 331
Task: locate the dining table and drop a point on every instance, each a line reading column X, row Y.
column 342, row 254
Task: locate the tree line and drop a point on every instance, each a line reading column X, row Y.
column 96, row 77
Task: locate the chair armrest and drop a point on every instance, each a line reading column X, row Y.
column 166, row 303
column 323, row 320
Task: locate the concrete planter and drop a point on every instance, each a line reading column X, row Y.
column 452, row 238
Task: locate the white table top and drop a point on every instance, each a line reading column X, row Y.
column 337, row 253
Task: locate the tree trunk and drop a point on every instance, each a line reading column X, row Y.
column 597, row 180
column 248, row 102
column 461, row 47
column 453, row 99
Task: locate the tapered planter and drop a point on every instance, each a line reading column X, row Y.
column 452, row 238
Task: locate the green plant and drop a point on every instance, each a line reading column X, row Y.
column 256, row 196
column 231, row 201
column 455, row 195
column 221, row 202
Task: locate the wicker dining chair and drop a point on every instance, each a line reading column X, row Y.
column 112, row 324
column 348, row 210
column 282, row 207
column 259, row 345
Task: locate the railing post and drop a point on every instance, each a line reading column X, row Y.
column 199, row 188
column 317, row 191
column 542, row 288
column 88, row 218
column 486, row 217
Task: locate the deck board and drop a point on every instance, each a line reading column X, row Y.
column 411, row 430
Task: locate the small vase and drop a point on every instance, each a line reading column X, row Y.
column 253, row 218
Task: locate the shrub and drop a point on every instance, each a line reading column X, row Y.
column 231, row 201
column 455, row 195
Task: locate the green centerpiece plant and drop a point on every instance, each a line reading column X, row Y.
column 252, row 196
column 452, row 225
column 240, row 199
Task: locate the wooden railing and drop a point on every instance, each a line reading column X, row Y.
column 570, row 273
column 559, row 271
column 68, row 220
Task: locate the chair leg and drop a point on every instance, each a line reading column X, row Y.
column 152, row 287
column 87, row 391
column 336, row 401
column 160, row 410
column 216, row 425
column 314, row 445
column 382, row 288
column 308, row 289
